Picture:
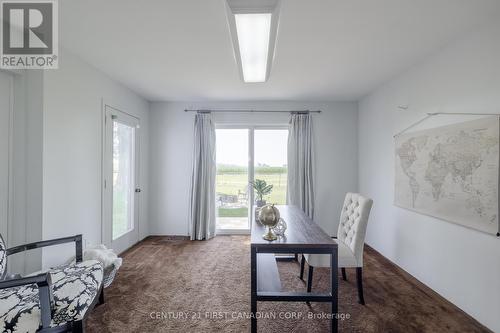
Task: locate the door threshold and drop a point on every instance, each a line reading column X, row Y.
column 232, row 232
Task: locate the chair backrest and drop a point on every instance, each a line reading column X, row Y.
column 353, row 222
column 3, row 257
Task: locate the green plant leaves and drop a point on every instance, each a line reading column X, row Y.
column 261, row 188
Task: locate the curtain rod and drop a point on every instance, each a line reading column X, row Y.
column 431, row 114
column 253, row 111
column 462, row 114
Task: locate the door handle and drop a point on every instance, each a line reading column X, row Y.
column 137, row 190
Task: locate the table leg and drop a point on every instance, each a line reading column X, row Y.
column 335, row 289
column 253, row 290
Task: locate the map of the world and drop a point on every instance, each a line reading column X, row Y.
column 451, row 172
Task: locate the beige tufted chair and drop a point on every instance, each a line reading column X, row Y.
column 350, row 240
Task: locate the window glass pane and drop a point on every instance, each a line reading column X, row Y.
column 232, row 179
column 123, row 178
column 271, row 162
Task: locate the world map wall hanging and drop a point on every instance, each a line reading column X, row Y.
column 451, row 173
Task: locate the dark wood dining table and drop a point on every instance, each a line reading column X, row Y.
column 302, row 236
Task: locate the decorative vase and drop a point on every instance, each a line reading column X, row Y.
column 260, row 203
column 269, row 217
column 280, row 228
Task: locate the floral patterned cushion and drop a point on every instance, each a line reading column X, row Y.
column 3, row 257
column 74, row 288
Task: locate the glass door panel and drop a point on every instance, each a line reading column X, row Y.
column 232, row 195
column 270, row 156
column 123, row 178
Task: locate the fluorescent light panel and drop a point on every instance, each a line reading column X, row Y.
column 253, row 32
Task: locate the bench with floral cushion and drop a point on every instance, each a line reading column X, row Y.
column 54, row 301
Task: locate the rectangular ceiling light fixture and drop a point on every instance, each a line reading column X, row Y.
column 253, row 26
column 253, row 38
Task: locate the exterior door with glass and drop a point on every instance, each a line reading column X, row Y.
column 120, row 183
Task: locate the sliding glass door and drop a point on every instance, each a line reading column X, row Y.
column 244, row 155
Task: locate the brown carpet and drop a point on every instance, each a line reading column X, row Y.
column 209, row 282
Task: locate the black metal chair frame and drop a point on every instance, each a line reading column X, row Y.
column 359, row 279
column 43, row 282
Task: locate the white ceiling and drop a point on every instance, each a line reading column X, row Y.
column 326, row 49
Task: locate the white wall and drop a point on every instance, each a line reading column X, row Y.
column 72, row 145
column 171, row 131
column 461, row 264
column 6, row 82
column 27, row 169
column 33, row 81
column 21, row 132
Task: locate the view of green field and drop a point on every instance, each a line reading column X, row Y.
column 233, row 180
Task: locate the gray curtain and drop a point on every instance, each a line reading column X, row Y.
column 300, row 190
column 202, row 203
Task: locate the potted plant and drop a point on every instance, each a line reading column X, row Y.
column 261, row 189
